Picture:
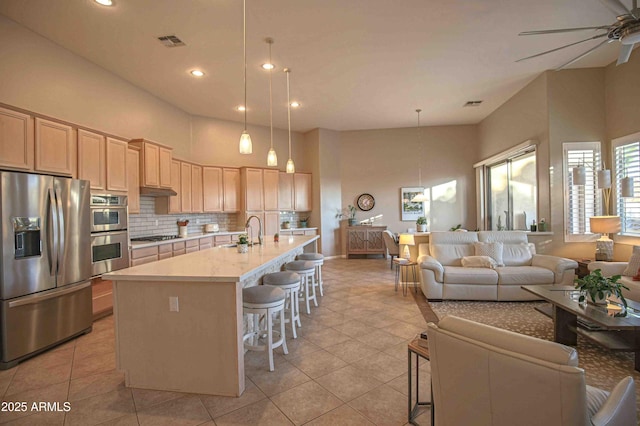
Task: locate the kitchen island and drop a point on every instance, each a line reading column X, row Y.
column 179, row 321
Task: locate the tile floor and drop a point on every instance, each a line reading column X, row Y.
column 347, row 367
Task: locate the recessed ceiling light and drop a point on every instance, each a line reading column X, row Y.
column 295, row 104
column 268, row 66
column 240, row 108
column 104, row 2
column 197, row 73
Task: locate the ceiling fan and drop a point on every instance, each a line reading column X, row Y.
column 626, row 30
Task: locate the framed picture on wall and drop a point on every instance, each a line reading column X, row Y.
column 410, row 211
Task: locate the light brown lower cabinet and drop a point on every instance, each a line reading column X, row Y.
column 191, row 246
column 179, row 248
column 144, row 255
column 165, row 251
column 102, row 297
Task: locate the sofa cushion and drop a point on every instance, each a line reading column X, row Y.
column 524, row 275
column 450, row 247
column 634, row 263
column 478, row 262
column 493, row 250
column 460, row 275
column 517, row 254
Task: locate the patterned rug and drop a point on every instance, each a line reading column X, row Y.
column 603, row 368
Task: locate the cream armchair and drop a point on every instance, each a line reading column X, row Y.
column 393, row 248
column 482, row 375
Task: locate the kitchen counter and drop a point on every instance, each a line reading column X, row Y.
column 179, row 322
column 143, row 244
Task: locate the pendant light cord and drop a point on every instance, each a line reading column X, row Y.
column 287, row 70
column 270, row 41
column 419, row 151
column 244, row 47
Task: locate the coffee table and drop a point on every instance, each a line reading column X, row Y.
column 596, row 323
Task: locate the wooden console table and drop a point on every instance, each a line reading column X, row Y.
column 365, row 240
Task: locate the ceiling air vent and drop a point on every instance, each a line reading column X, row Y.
column 472, row 103
column 171, row 41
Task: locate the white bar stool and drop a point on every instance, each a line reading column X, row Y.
column 290, row 283
column 318, row 261
column 264, row 300
column 307, row 271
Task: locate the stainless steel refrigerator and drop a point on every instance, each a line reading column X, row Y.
column 45, row 268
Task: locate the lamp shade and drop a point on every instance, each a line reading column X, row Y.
column 579, row 175
column 605, row 224
column 626, row 187
column 420, row 198
column 407, row 239
column 604, row 179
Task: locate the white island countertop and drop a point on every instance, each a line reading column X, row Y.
column 217, row 264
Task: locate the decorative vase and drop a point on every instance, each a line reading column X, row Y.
column 303, row 224
column 352, row 222
column 243, row 248
column 422, row 228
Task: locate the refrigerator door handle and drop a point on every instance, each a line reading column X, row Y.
column 60, row 215
column 37, row 298
column 52, row 235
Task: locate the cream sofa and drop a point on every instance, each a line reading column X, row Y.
column 609, row 269
column 482, row 375
column 443, row 276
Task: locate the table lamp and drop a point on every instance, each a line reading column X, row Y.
column 407, row 240
column 604, row 225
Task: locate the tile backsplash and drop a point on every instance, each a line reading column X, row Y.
column 144, row 224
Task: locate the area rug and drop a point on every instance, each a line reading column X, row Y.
column 603, row 368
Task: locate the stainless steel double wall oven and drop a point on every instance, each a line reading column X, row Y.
column 109, row 235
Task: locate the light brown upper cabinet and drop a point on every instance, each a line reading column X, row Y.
column 91, row 159
column 231, row 189
column 172, row 204
column 302, row 192
column 271, row 223
column 212, row 189
column 285, row 191
column 133, row 180
column 185, row 187
column 16, row 140
column 196, row 189
column 155, row 164
column 252, row 186
column 270, row 181
column 55, row 148
column 117, row 165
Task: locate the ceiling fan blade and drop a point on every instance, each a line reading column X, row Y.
column 577, row 58
column 562, row 47
column 563, row 30
column 616, row 7
column 625, row 53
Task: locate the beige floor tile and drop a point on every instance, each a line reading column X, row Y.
column 348, row 382
column 378, row 320
column 145, row 398
column 305, row 402
column 51, row 393
column 128, row 420
column 49, row 359
column 382, row 366
column 33, row 376
column 262, row 413
column 187, row 410
column 404, row 330
column 286, row 376
column 298, row 347
column 95, row 336
column 401, row 384
column 351, row 350
column 327, row 337
column 383, row 406
column 220, row 405
column 343, row 416
column 93, row 365
column 98, row 348
column 100, row 408
column 318, row 363
column 355, row 328
column 380, row 339
column 398, row 351
column 96, row 384
column 40, row 419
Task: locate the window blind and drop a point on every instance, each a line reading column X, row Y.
column 627, row 163
column 581, row 201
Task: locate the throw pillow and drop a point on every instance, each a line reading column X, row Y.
column 493, row 250
column 634, row 263
column 479, row 262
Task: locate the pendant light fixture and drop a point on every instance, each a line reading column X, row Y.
column 421, row 197
column 291, row 168
column 246, row 147
column 272, row 158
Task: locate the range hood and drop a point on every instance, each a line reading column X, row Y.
column 157, row 192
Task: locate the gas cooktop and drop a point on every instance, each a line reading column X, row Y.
column 156, row 238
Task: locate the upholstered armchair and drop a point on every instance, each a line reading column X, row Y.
column 393, row 248
column 482, row 375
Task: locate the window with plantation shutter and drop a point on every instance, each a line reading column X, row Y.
column 626, row 153
column 581, row 201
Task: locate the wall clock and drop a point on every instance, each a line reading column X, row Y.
column 366, row 202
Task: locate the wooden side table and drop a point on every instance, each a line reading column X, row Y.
column 405, row 267
column 420, row 349
column 583, row 267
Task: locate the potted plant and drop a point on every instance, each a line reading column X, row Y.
column 349, row 213
column 303, row 222
column 598, row 288
column 276, row 237
column 286, row 224
column 243, row 243
column 421, row 223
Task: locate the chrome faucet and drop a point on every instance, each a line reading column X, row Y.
column 248, row 226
